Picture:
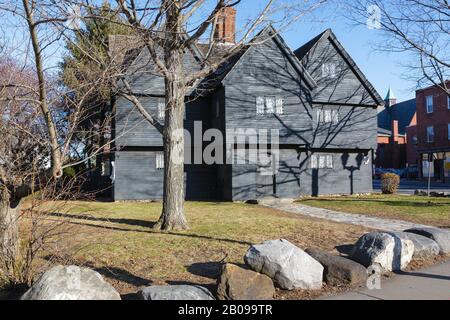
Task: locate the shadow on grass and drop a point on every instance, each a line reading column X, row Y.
column 130, row 222
column 151, row 224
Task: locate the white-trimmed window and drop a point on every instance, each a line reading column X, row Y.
column 429, row 103
column 335, row 116
column 160, row 160
column 328, row 116
column 259, row 105
column 279, row 106
column 269, row 105
column 329, row 70
column 430, row 134
column 448, row 102
column 329, row 161
column 321, row 161
column 314, row 164
column 161, row 109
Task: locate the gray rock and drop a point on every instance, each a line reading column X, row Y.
column 287, row 265
column 339, row 270
column 71, row 283
column 391, row 253
column 420, row 193
column 442, row 237
column 437, row 194
column 176, row 292
column 424, row 248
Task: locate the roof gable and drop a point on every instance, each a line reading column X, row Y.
column 347, row 85
column 270, row 34
column 403, row 112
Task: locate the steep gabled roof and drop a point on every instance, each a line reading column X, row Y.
column 218, row 76
column 303, row 52
column 270, row 32
column 403, row 112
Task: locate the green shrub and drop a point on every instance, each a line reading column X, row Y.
column 70, row 172
column 389, row 183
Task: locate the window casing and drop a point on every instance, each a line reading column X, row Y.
column 321, row 161
column 329, row 70
column 448, row 131
column 429, row 103
column 161, row 109
column 160, row 160
column 328, row 116
column 430, row 134
column 269, row 105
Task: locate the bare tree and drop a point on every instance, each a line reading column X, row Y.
column 38, row 116
column 415, row 27
column 168, row 30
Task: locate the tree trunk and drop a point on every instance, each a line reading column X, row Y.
column 9, row 232
column 172, row 217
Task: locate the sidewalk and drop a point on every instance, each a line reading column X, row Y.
column 349, row 218
column 429, row 284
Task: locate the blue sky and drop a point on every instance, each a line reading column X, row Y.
column 381, row 68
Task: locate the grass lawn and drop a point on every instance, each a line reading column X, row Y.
column 116, row 239
column 432, row 211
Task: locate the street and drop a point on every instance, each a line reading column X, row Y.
column 409, row 186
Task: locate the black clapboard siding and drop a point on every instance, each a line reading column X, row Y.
column 356, row 128
column 296, row 178
column 265, row 71
column 345, row 87
column 136, row 176
column 131, row 128
column 144, row 77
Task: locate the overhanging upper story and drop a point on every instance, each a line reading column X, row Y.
column 316, row 97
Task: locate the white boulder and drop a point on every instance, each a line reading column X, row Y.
column 287, row 265
column 71, row 283
column 390, row 252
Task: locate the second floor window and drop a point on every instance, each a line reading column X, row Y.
column 430, row 134
column 161, row 109
column 448, row 131
column 448, row 102
column 160, row 160
column 269, row 105
column 328, row 116
column 429, row 102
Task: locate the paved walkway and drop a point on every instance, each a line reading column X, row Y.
column 429, row 284
column 349, row 218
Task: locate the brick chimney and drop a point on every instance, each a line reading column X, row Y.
column 394, row 127
column 226, row 26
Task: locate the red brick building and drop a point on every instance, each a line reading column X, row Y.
column 393, row 120
column 432, row 132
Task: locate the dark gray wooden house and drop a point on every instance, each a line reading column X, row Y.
column 323, row 107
